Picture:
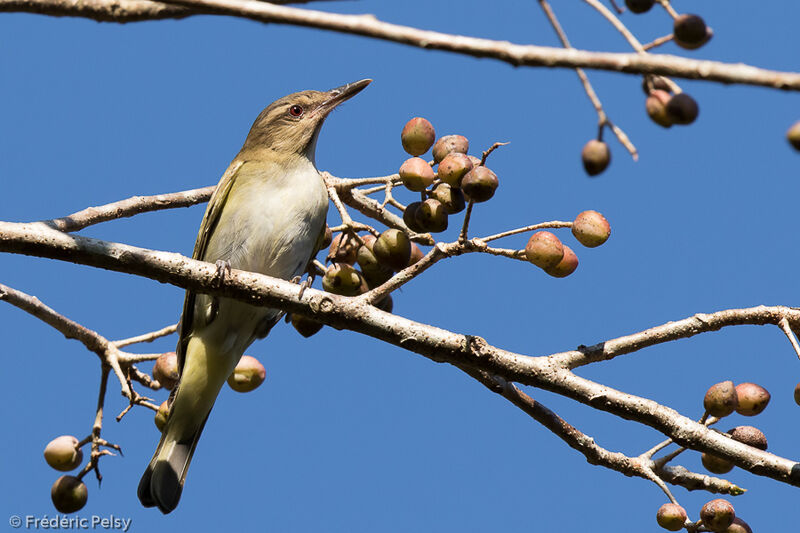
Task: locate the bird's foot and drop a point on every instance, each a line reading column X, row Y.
column 223, row 270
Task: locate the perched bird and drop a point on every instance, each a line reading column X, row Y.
column 267, row 215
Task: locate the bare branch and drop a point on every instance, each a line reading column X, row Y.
column 369, row 26
column 688, row 327
column 550, row 373
column 130, row 207
column 147, row 337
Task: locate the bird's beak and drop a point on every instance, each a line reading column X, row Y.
column 340, row 94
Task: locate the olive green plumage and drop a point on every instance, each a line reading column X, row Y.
column 265, row 216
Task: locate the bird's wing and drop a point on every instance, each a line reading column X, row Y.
column 210, row 220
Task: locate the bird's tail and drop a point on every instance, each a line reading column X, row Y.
column 204, row 372
column 162, row 482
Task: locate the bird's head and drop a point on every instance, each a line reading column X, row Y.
column 291, row 124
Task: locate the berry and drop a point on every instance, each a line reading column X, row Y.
column 305, row 326
column 566, row 266
column 717, row 515
column 344, row 248
column 393, row 249
column 165, row 371
column 750, row 436
column 453, row 168
column 417, row 174
column 452, row 199
column 656, row 106
column 793, row 136
column 716, row 465
column 448, row 144
column 63, row 454
column 721, row 399
column 69, row 494
column 373, row 271
column 417, row 136
column 479, row 184
column 248, row 374
column 671, row 516
column 752, row 399
column 431, row 216
column 410, row 219
column 544, row 249
column 691, row 32
column 161, row 416
column 738, row 526
column 682, row 109
column 639, row 6
column 343, row 279
column 591, row 229
column 595, row 156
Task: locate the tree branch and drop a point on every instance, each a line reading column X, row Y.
column 369, row 26
column 432, row 342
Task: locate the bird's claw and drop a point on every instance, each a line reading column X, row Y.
column 223, row 270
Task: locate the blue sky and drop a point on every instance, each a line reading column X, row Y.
column 348, row 434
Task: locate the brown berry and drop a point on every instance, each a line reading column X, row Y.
column 344, row 248
column 165, row 371
column 544, row 249
column 63, row 454
column 161, row 416
column 797, row 394
column 417, row 174
column 327, row 237
column 566, row 266
column 248, row 374
column 691, row 32
column 386, row 304
column 793, row 136
column 656, row 106
column 682, row 109
column 752, row 399
column 591, row 229
column 393, row 249
column 409, row 217
column 448, row 144
column 721, row 399
column 69, row 494
column 671, row 516
column 716, row 465
column 417, row 136
column 738, row 526
column 431, row 216
column 416, row 254
column 305, row 326
column 343, row 279
column 453, row 168
column 749, row 435
column 452, row 199
column 479, row 184
column 639, row 6
column 595, row 156
column 717, row 515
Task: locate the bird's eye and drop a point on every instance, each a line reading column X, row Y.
column 296, row 111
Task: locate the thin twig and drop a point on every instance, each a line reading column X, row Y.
column 533, row 227
column 602, row 117
column 147, row 337
column 787, row 329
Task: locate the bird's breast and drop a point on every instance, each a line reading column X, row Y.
column 273, row 221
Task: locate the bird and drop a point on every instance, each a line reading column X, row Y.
column 267, row 215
